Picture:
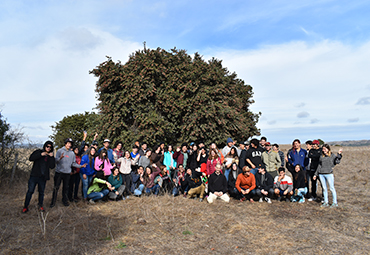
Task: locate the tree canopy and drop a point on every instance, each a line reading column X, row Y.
column 73, row 127
column 169, row 96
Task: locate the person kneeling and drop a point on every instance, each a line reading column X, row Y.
column 98, row 187
column 245, row 183
column 283, row 185
column 264, row 185
column 196, row 186
column 217, row 186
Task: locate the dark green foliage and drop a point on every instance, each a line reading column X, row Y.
column 172, row 97
column 73, row 127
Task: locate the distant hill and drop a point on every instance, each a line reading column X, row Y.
column 351, row 143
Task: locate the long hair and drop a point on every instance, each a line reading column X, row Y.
column 99, row 175
column 91, row 158
column 146, row 175
column 210, row 154
column 327, row 147
column 300, row 172
column 101, row 154
column 234, row 154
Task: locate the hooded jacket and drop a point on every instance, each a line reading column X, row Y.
column 42, row 164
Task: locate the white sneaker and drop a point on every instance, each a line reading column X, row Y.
column 268, row 200
column 91, row 202
column 261, row 200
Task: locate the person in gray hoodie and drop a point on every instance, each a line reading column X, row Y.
column 325, row 172
column 65, row 159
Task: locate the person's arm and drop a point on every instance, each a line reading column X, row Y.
column 278, row 161
column 338, row 157
column 74, row 163
column 253, row 186
column 237, row 183
column 35, row 155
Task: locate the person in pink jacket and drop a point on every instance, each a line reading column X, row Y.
column 102, row 163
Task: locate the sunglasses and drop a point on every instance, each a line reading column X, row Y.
column 246, row 172
column 49, row 146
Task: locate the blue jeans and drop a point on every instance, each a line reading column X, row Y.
column 85, row 183
column 254, row 171
column 98, row 195
column 227, row 172
column 154, row 189
column 328, row 178
column 41, row 182
column 139, row 190
column 175, row 191
column 301, row 192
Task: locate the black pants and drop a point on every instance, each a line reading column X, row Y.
column 313, row 184
column 74, row 184
column 127, row 181
column 58, row 178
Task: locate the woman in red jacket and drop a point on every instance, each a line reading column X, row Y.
column 212, row 161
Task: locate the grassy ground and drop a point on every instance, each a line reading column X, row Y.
column 166, row 225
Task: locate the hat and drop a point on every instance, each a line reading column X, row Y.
column 241, row 142
column 192, row 143
column 229, row 140
column 68, row 140
column 315, row 142
column 246, row 143
column 106, row 140
column 267, row 144
column 94, row 143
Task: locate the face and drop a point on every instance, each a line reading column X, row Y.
column 268, row 148
column 261, row 170
column 115, row 172
column 134, row 150
column 282, row 174
column 48, row 148
column 234, row 167
column 106, row 144
column 242, row 146
column 127, row 154
column 262, row 142
column 140, row 170
column 144, row 146
column 296, row 145
column 297, row 168
column 232, row 151
column 203, row 151
column 104, row 154
column 247, row 147
column 76, row 151
column 86, row 148
column 213, row 146
column 188, row 171
column 170, row 148
column 195, row 147
column 92, row 151
column 68, row 145
column 162, row 146
column 275, row 148
column 325, row 150
column 119, row 146
column 149, row 153
column 213, row 153
column 184, row 148
column 137, row 143
column 218, row 170
column 181, row 169
column 148, row 170
column 315, row 146
column 230, row 144
column 308, row 146
column 247, row 172
column 158, row 150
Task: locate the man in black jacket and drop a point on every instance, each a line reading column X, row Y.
column 314, row 155
column 264, row 185
column 217, row 186
column 43, row 160
column 196, row 186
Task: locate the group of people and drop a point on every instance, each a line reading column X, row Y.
column 252, row 170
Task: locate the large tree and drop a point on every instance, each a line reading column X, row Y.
column 169, row 96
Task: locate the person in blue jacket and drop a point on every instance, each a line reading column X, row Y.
column 88, row 172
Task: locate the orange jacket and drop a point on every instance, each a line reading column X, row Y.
column 245, row 182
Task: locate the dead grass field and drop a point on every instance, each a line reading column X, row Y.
column 166, row 225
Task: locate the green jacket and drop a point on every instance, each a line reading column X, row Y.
column 95, row 186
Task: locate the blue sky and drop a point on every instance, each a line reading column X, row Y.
column 307, row 61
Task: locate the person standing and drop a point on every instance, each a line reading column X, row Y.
column 254, row 156
column 43, row 160
column 65, row 160
column 314, row 155
column 271, row 159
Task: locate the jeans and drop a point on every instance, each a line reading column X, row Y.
column 85, row 183
column 98, row 195
column 227, row 172
column 41, row 183
column 139, row 190
column 301, row 192
column 153, row 189
column 58, row 178
column 259, row 193
column 328, row 178
column 254, row 171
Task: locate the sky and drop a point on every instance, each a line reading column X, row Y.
column 306, row 60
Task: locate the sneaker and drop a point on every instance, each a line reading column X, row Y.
column 123, row 197
column 310, row 199
column 92, row 202
column 293, row 200
column 324, row 205
column 302, row 200
column 66, row 204
column 261, row 200
column 200, row 199
column 127, row 197
column 52, row 205
column 287, row 200
column 25, row 209
column 41, row 209
column 242, row 199
column 268, row 200
column 334, row 205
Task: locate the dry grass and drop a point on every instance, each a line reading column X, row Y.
column 166, row 225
